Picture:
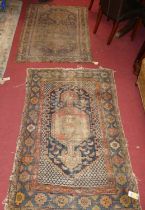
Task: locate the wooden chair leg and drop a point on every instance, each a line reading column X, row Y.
column 91, row 4
column 134, row 31
column 99, row 16
column 114, row 29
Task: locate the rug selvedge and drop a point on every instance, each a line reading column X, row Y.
column 42, row 158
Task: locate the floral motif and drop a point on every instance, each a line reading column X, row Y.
column 117, row 160
column 110, row 118
column 35, row 89
column 85, row 202
column 125, row 200
column 113, row 131
column 121, row 179
column 34, row 100
column 115, row 145
column 29, row 142
column 61, row 201
column 106, row 201
column 30, row 127
column 20, row 197
column 108, row 106
column 24, row 176
column 27, row 159
column 40, row 199
column 107, row 96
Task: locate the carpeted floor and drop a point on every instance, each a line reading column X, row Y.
column 118, row 56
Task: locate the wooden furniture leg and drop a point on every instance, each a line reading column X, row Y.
column 137, row 25
column 138, row 60
column 99, row 16
column 114, row 29
column 125, row 29
column 91, row 4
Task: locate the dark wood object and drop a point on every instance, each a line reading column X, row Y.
column 133, row 24
column 43, row 0
column 117, row 11
column 91, row 4
column 138, row 60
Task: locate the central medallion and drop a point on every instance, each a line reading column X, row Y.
column 70, row 126
column 71, row 143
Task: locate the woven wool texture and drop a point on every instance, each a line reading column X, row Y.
column 72, row 152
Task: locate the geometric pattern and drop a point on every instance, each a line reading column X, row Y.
column 77, row 99
column 72, row 152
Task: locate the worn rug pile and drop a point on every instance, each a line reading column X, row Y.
column 71, row 153
column 8, row 23
column 55, row 33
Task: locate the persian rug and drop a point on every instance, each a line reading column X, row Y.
column 8, row 23
column 53, row 33
column 71, row 153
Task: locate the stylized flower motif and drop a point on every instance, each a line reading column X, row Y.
column 106, row 85
column 117, row 160
column 30, row 127
column 27, row 159
column 24, row 176
column 29, row 142
column 61, row 201
column 110, row 119
column 121, row 179
column 35, row 89
column 115, row 145
column 84, row 202
column 96, row 208
column 107, row 96
column 33, row 115
column 20, row 197
column 35, row 78
column 106, row 201
column 34, row 100
column 108, row 106
column 113, row 131
column 125, row 200
column 40, row 199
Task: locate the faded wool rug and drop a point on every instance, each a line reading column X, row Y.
column 55, row 33
column 72, row 153
column 8, row 23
